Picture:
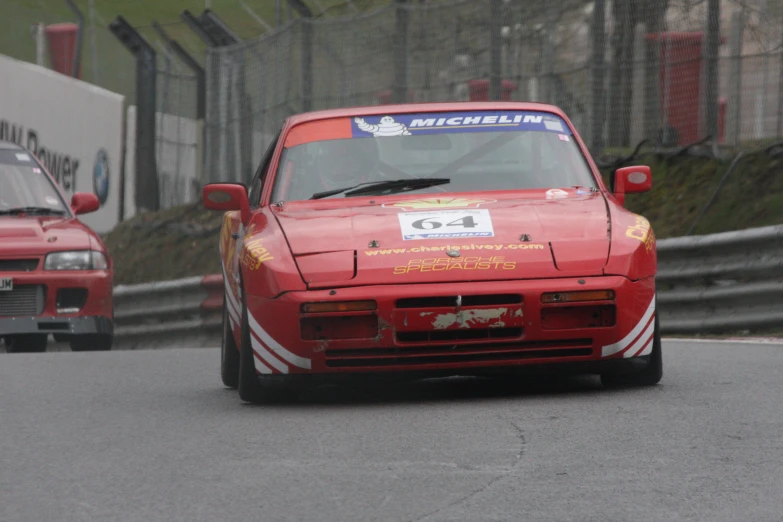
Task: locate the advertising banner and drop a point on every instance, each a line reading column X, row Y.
column 74, row 128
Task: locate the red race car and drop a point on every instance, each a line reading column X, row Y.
column 55, row 273
column 433, row 240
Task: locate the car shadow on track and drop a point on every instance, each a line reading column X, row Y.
column 451, row 389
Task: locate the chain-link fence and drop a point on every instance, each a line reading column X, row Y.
column 107, row 63
column 670, row 71
column 178, row 133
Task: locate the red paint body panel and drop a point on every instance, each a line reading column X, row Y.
column 262, row 252
column 576, row 226
column 479, row 309
column 327, row 267
column 633, row 250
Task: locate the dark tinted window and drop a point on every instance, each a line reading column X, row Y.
column 259, row 178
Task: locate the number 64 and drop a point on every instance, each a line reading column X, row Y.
column 432, row 223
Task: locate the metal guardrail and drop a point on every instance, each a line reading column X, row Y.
column 721, row 282
column 184, row 312
column 706, row 284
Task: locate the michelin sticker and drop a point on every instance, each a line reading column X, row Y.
column 456, row 122
column 386, row 127
column 446, row 224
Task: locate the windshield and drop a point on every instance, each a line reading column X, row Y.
column 499, row 150
column 24, row 185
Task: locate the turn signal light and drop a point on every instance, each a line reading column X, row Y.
column 338, row 306
column 575, row 297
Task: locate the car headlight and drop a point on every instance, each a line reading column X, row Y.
column 81, row 260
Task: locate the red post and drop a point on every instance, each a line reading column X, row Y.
column 62, row 47
column 479, row 90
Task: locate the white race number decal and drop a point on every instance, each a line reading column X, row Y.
column 446, row 224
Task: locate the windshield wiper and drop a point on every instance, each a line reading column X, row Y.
column 401, row 185
column 31, row 210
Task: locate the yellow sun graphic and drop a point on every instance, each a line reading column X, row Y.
column 439, row 203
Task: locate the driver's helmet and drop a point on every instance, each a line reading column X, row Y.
column 347, row 162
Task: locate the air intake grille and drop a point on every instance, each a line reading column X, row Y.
column 18, row 265
column 22, row 300
column 449, row 354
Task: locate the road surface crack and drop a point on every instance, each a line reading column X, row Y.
column 495, row 480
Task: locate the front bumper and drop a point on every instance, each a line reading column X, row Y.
column 56, row 325
column 411, row 339
column 57, row 302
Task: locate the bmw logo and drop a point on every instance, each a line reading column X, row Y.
column 100, row 176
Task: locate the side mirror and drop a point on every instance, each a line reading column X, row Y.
column 226, row 197
column 84, row 203
column 631, row 180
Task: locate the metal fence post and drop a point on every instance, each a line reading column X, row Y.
column 77, row 54
column 93, row 44
column 639, row 81
column 712, row 42
column 201, row 93
column 147, row 196
column 215, row 33
column 40, row 43
column 597, row 67
column 547, row 93
column 400, row 90
column 307, row 53
column 495, row 65
column 780, row 85
column 734, row 93
column 652, row 73
column 223, row 35
column 307, row 65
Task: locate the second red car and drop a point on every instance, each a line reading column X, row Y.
column 56, row 276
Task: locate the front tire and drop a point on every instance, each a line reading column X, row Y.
column 229, row 352
column 248, row 386
column 91, row 343
column 650, row 375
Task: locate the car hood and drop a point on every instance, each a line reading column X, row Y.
column 36, row 236
column 534, row 236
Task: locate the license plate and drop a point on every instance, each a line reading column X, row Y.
column 6, row 284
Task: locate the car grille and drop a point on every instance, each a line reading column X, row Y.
column 18, row 265
column 445, row 354
column 22, row 300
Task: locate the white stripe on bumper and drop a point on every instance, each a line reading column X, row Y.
column 273, row 345
column 261, row 367
column 617, row 347
column 643, row 340
column 270, row 359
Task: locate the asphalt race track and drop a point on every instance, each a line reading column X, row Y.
column 154, row 436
